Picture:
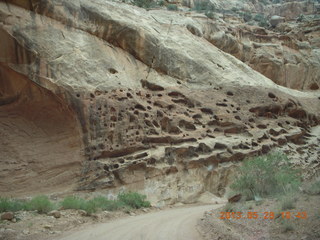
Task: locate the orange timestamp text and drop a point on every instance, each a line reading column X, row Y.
column 262, row 215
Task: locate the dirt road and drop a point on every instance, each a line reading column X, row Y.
column 171, row 224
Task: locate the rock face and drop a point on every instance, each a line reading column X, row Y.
column 103, row 95
column 288, row 53
column 290, row 56
column 291, row 9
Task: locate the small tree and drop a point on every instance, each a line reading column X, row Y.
column 266, row 175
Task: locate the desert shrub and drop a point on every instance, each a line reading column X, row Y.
column 113, row 205
column 11, row 205
column 161, row 3
column 247, row 16
column 144, row 3
column 300, row 18
column 313, row 188
column 72, row 202
column 106, row 204
column 90, row 207
column 265, row 176
column 133, row 199
column 40, row 203
column 125, row 200
column 5, row 205
column 234, row 9
column 203, row 6
column 261, row 19
column 210, row 14
column 172, row 7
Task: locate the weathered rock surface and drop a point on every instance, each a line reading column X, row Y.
column 289, row 9
column 104, row 95
column 289, row 55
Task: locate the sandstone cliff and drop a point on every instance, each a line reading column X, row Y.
column 290, row 56
column 105, row 95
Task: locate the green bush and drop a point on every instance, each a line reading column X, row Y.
column 161, row 3
column 203, row 6
column 11, row 205
column 265, row 176
column 210, row 14
column 133, row 199
column 172, row 7
column 113, row 205
column 90, row 206
column 106, row 204
column 234, row 9
column 261, row 19
column 144, row 3
column 72, row 202
column 41, row 204
column 125, row 200
column 247, row 16
column 300, row 18
column 5, row 205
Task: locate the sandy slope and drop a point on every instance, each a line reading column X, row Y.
column 172, row 224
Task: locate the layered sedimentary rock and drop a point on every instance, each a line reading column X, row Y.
column 40, row 141
column 290, row 56
column 102, row 95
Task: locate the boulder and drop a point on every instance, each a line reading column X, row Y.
column 55, row 213
column 7, row 216
column 275, row 20
column 83, row 212
column 235, row 198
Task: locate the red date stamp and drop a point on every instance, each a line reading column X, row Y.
column 262, row 215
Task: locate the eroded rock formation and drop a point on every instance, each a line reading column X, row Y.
column 102, row 95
